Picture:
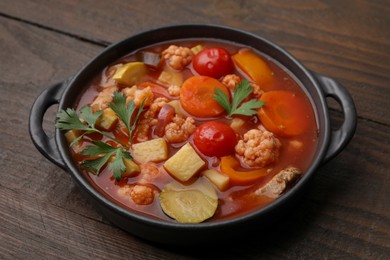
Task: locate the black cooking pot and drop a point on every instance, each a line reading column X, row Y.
column 317, row 87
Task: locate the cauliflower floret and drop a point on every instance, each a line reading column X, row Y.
column 138, row 95
column 148, row 119
column 231, row 80
column 155, row 107
column 177, row 57
column 140, row 194
column 174, row 90
column 149, row 172
column 104, row 98
column 256, row 89
column 129, row 93
column 142, row 130
column 180, row 129
column 143, row 94
column 258, row 148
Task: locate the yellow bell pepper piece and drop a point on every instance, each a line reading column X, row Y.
column 130, row 73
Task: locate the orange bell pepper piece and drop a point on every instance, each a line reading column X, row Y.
column 255, row 67
column 229, row 165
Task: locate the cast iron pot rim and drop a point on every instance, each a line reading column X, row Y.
column 133, row 215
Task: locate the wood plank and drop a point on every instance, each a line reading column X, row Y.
column 34, row 61
column 35, row 229
column 347, row 41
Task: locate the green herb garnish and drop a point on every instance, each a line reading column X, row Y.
column 106, row 152
column 125, row 112
column 69, row 119
column 243, row 90
column 85, row 121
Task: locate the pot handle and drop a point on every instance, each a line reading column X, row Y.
column 46, row 145
column 340, row 137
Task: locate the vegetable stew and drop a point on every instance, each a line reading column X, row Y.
column 192, row 131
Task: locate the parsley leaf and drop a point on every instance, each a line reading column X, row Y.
column 69, row 119
column 222, row 99
column 95, row 165
column 248, row 108
column 98, row 148
column 88, row 116
column 117, row 165
column 106, row 153
column 243, row 90
column 125, row 112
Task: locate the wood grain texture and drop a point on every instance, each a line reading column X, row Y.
column 345, row 212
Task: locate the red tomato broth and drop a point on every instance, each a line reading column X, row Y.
column 298, row 155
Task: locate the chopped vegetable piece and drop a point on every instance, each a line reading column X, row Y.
column 218, row 179
column 215, row 138
column 255, row 67
column 196, row 49
column 185, row 163
column 237, row 124
column 164, row 117
column 72, row 135
column 196, row 96
column 130, row 73
column 285, row 113
column 107, row 120
column 170, row 77
column 229, row 165
column 189, row 204
column 150, row 58
column 176, row 105
column 131, row 168
column 154, row 150
column 243, row 90
column 130, row 91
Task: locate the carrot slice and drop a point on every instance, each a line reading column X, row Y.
column 255, row 67
column 196, row 96
column 284, row 113
column 229, row 165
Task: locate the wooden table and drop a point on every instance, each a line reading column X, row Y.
column 346, row 211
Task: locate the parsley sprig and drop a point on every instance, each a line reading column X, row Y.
column 113, row 154
column 101, row 152
column 125, row 112
column 243, row 90
column 69, row 120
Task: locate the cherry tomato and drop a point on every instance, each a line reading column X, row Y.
column 215, row 139
column 213, row 62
